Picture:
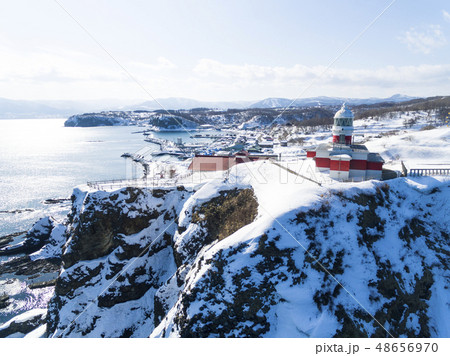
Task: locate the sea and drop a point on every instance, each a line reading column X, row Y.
column 40, row 159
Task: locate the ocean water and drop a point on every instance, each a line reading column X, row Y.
column 41, row 159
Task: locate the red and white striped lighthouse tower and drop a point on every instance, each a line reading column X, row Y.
column 342, row 158
column 343, row 126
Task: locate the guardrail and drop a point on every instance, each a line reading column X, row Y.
column 418, row 172
column 146, row 182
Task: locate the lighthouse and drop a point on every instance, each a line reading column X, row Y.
column 341, row 158
column 343, row 126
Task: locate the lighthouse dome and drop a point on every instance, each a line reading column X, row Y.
column 344, row 113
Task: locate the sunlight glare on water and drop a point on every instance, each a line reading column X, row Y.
column 42, row 159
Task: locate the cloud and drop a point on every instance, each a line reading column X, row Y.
column 256, row 81
column 42, row 73
column 46, row 65
column 446, row 15
column 424, row 40
column 250, row 73
column 247, row 75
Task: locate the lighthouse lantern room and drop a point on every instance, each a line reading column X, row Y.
column 343, row 126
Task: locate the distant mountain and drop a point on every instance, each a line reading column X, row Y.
column 64, row 108
column 271, row 103
column 187, row 104
column 28, row 109
column 325, row 101
column 23, row 108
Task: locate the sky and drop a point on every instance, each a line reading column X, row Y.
column 223, row 50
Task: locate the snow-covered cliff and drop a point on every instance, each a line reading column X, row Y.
column 155, row 120
column 246, row 258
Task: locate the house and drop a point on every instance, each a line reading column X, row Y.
column 206, row 163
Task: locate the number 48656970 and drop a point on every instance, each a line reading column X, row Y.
column 407, row 347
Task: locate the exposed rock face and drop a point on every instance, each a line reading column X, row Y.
column 39, row 235
column 251, row 289
column 26, row 266
column 7, row 239
column 120, row 251
column 34, row 240
column 202, row 264
column 226, row 213
column 95, row 231
column 42, row 244
column 243, row 313
column 4, row 301
column 24, row 323
column 397, row 294
column 213, row 220
column 116, row 256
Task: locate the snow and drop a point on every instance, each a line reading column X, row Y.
column 439, row 306
column 282, row 190
column 344, row 112
column 285, row 194
column 113, row 320
column 21, row 318
column 279, row 193
column 22, row 298
column 54, row 247
column 39, row 332
column 412, row 322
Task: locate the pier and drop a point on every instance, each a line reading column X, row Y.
column 156, row 141
column 167, row 147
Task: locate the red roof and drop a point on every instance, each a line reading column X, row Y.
column 212, row 163
column 220, row 163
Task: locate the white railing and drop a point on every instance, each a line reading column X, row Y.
column 146, row 182
column 418, row 172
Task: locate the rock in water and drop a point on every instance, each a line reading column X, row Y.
column 34, row 240
column 4, row 301
column 23, row 323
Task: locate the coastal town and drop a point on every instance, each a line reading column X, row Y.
column 328, row 153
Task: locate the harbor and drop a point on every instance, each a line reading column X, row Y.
column 219, row 142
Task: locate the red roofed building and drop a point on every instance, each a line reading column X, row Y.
column 204, row 163
column 211, row 163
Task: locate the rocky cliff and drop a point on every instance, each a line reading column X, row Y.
column 155, row 119
column 356, row 260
